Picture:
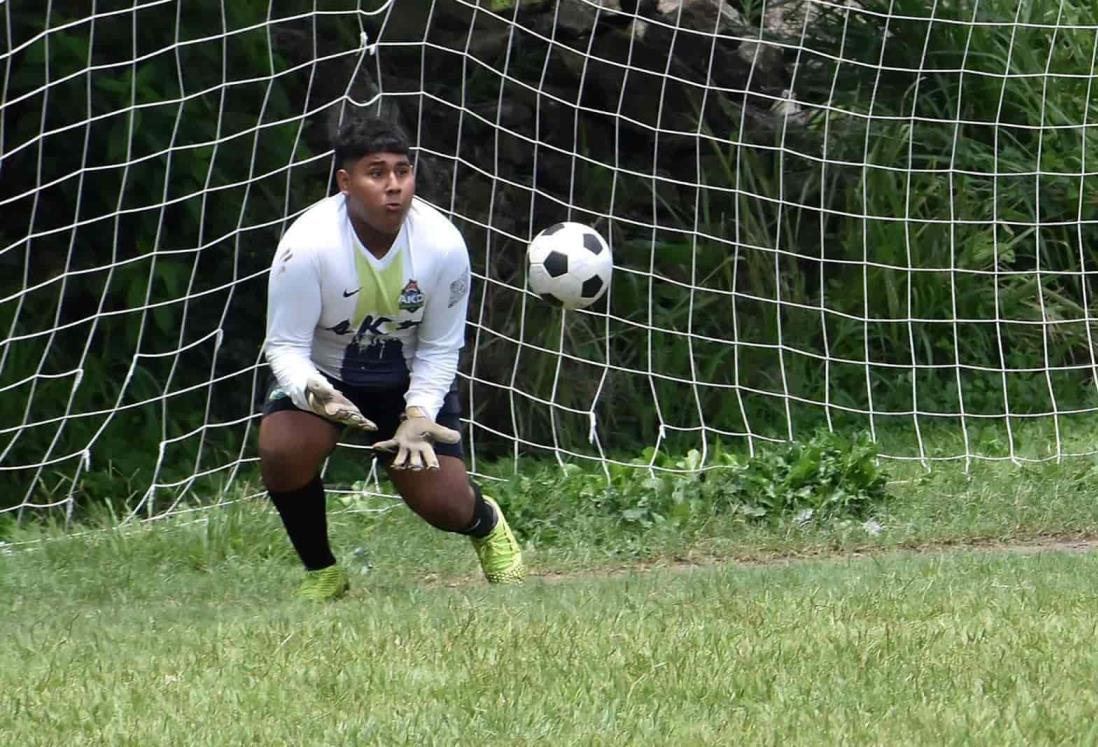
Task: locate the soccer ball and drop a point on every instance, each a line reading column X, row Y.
column 569, row 265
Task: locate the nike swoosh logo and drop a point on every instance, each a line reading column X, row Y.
column 348, row 294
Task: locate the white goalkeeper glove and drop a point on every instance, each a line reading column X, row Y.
column 413, row 439
column 328, row 402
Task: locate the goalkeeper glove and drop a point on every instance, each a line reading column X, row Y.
column 413, row 439
column 328, row 402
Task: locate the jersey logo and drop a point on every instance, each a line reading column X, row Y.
column 348, row 294
column 458, row 289
column 411, row 298
column 371, row 326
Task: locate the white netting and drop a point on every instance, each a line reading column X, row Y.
column 857, row 215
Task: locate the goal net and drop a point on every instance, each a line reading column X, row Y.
column 861, row 215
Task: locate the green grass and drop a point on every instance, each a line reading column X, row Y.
column 185, row 632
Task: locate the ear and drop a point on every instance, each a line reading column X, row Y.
column 343, row 179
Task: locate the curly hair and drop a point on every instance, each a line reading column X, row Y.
column 360, row 135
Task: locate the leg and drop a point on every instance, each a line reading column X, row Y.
column 448, row 501
column 444, row 499
column 292, row 446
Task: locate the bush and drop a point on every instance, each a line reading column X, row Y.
column 825, row 478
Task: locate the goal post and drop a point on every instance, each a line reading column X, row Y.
column 861, row 215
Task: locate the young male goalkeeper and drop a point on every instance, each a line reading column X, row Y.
column 367, row 300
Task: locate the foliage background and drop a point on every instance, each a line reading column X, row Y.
column 872, row 219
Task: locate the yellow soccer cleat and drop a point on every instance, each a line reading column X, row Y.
column 499, row 553
column 323, row 585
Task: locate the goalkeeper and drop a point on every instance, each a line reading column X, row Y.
column 367, row 300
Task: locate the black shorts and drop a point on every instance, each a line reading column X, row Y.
column 384, row 407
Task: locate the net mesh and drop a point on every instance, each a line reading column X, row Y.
column 867, row 216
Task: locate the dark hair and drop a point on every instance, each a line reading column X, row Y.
column 359, row 136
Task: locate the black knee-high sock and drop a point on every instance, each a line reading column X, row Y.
column 303, row 513
column 484, row 516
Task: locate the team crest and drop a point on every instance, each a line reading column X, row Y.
column 411, row 298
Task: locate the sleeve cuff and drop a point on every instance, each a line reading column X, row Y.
column 429, row 405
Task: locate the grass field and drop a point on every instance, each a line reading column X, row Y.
column 967, row 620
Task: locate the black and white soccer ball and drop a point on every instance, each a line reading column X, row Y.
column 569, row 265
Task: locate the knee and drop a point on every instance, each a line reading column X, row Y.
column 448, row 510
column 285, row 469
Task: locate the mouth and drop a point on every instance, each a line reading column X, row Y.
column 393, row 207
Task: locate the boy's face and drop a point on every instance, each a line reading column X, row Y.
column 379, row 188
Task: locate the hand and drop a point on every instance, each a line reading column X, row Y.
column 413, row 439
column 328, row 402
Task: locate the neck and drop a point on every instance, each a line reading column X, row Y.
column 376, row 242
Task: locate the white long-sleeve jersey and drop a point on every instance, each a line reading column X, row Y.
column 373, row 323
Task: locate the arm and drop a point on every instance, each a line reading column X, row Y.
column 293, row 310
column 441, row 336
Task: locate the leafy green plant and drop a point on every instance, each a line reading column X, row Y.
column 827, row 477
